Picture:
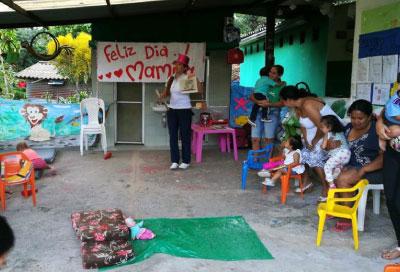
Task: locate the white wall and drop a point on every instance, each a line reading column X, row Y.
column 362, row 5
column 155, row 135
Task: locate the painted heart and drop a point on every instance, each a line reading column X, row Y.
column 135, row 68
column 100, row 77
column 129, row 73
column 118, row 73
column 108, row 75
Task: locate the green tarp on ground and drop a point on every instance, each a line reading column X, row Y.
column 217, row 238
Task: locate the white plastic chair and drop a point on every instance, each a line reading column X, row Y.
column 92, row 107
column 376, row 191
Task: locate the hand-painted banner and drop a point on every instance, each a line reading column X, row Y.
column 145, row 62
column 39, row 123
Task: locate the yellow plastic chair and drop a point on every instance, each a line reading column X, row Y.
column 332, row 208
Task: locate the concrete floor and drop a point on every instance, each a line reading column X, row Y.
column 139, row 183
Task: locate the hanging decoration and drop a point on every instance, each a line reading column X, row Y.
column 30, row 46
column 235, row 56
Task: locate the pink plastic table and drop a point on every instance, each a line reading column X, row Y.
column 223, row 139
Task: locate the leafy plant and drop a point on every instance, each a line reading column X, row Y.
column 247, row 23
column 48, row 96
column 73, row 29
column 9, row 50
column 291, row 126
column 9, row 83
column 76, row 98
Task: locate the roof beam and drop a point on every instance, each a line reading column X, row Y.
column 23, row 12
column 264, row 3
column 111, row 9
column 188, row 5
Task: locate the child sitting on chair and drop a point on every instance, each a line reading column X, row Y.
column 39, row 164
column 291, row 155
column 391, row 118
column 6, row 240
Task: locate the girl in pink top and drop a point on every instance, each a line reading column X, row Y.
column 37, row 161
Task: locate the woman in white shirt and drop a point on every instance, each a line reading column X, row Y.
column 310, row 109
column 179, row 114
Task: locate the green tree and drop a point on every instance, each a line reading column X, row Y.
column 247, row 23
column 26, row 34
column 25, row 59
column 76, row 65
column 70, row 29
column 9, row 50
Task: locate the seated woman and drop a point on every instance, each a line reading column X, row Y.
column 366, row 159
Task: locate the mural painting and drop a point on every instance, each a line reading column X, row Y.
column 38, row 122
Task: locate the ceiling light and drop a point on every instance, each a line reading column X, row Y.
column 292, row 6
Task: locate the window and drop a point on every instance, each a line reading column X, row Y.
column 251, row 49
column 245, row 50
column 302, row 37
column 258, row 48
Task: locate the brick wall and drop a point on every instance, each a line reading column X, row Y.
column 39, row 89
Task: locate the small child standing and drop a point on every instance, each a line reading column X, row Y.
column 339, row 156
column 391, row 118
column 39, row 164
column 291, row 155
column 263, row 85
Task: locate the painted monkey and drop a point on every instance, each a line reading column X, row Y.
column 35, row 114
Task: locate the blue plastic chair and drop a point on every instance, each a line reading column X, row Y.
column 255, row 161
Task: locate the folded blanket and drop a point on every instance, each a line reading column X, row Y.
column 107, row 253
column 101, row 225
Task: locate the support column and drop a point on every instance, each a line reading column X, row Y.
column 270, row 36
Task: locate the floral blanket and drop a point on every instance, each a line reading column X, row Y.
column 107, row 253
column 101, row 225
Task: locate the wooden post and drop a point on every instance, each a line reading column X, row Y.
column 270, row 36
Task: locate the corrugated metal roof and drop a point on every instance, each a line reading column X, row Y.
column 52, row 12
column 41, row 70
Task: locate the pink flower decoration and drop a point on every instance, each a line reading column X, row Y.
column 82, row 228
column 99, row 237
column 123, row 227
column 93, row 223
column 123, row 252
column 103, row 227
column 114, row 216
column 22, row 84
column 96, row 248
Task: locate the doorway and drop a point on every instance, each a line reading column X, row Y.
column 129, row 118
